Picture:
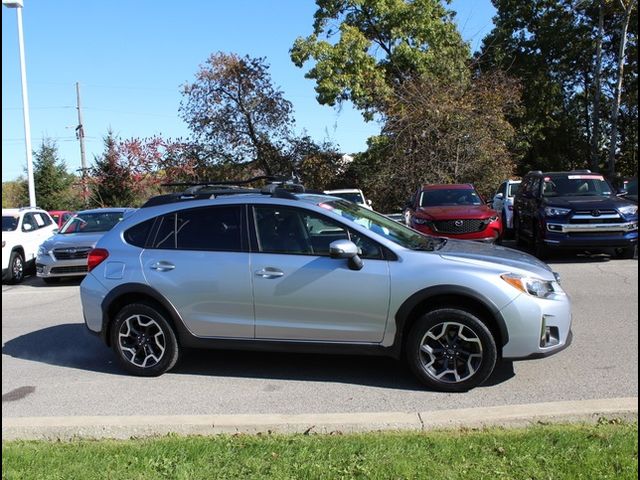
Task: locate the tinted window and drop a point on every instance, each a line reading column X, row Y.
column 9, row 223
column 138, row 234
column 211, row 228
column 286, row 230
column 513, row 189
column 29, row 220
column 449, row 197
column 575, row 185
column 92, row 222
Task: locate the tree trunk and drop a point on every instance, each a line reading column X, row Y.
column 616, row 107
column 595, row 132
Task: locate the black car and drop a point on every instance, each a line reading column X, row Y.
column 574, row 210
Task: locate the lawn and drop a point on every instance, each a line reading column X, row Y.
column 605, row 450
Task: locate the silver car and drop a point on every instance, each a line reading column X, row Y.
column 65, row 254
column 301, row 272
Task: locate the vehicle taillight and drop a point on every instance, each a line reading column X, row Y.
column 96, row 257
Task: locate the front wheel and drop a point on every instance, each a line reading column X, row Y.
column 451, row 350
column 16, row 268
column 144, row 341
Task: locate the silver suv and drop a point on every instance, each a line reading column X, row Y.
column 249, row 269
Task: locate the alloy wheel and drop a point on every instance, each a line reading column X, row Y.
column 450, row 352
column 141, row 341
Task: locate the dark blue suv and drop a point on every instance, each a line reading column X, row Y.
column 576, row 210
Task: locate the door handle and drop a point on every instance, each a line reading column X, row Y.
column 163, row 266
column 269, row 272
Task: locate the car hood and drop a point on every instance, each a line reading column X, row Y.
column 475, row 252
column 456, row 212
column 72, row 240
column 586, row 202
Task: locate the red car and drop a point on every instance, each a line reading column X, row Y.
column 60, row 216
column 453, row 211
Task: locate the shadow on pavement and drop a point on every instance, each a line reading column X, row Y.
column 71, row 345
column 571, row 256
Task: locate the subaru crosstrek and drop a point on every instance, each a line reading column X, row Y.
column 574, row 210
column 278, row 270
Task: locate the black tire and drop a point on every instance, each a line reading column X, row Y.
column 626, row 252
column 51, row 280
column 147, row 333
column 456, row 353
column 16, row 269
column 540, row 250
column 517, row 232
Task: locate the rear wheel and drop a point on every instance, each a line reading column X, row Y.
column 144, row 341
column 451, row 350
column 16, row 268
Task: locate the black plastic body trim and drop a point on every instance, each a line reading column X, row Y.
column 403, row 313
column 533, row 356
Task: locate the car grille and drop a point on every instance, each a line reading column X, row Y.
column 71, row 253
column 595, row 216
column 76, row 269
column 459, row 226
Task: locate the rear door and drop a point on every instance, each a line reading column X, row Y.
column 198, row 260
column 301, row 293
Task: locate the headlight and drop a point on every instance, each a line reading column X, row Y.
column 420, row 221
column 535, row 287
column 556, row 211
column 42, row 251
column 629, row 210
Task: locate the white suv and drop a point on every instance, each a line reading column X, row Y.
column 354, row 195
column 503, row 202
column 23, row 230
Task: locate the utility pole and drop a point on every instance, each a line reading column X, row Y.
column 80, row 136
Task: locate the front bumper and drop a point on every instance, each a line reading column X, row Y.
column 537, row 327
column 567, row 235
column 46, row 267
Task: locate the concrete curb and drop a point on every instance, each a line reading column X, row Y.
column 64, row 428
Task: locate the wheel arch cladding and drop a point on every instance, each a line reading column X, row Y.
column 450, row 296
column 128, row 294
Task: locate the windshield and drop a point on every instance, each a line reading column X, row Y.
column 513, row 189
column 9, row 223
column 92, row 222
column 383, row 226
column 446, row 197
column 354, row 197
column 575, row 185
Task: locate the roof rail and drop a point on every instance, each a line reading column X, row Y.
column 584, row 170
column 278, row 187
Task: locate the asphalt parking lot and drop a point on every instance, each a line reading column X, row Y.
column 51, row 366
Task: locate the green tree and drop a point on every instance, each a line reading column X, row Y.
column 111, row 182
column 15, row 193
column 443, row 132
column 50, row 177
column 380, row 45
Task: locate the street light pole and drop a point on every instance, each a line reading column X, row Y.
column 17, row 4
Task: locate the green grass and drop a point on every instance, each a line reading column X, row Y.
column 602, row 451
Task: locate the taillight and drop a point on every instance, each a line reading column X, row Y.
column 96, row 257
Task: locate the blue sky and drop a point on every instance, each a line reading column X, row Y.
column 131, row 57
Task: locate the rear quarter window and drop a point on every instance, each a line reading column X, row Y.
column 138, row 234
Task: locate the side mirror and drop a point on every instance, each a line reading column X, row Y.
column 369, row 202
column 346, row 249
column 499, row 196
column 27, row 227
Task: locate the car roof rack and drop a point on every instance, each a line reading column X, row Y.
column 277, row 187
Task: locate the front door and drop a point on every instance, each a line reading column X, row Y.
column 301, row 293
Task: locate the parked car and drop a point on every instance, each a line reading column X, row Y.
column 60, row 216
column 276, row 270
column 453, row 211
column 576, row 210
column 354, row 195
column 23, row 230
column 503, row 203
column 631, row 190
column 65, row 254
